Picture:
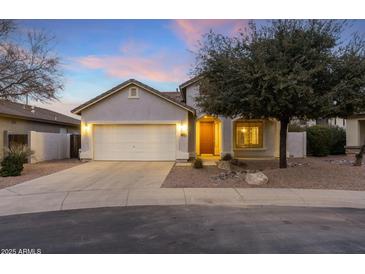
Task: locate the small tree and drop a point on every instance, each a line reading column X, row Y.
column 284, row 70
column 27, row 68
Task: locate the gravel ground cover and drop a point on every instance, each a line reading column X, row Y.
column 32, row 171
column 333, row 172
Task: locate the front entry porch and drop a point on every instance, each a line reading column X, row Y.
column 208, row 137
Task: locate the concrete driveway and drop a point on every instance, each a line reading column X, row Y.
column 94, row 184
column 108, row 184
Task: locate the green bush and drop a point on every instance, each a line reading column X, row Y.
column 338, row 140
column 198, row 163
column 227, row 157
column 318, row 140
column 12, row 164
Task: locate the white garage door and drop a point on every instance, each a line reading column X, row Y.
column 134, row 142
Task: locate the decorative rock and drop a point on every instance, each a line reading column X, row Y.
column 241, row 175
column 257, row 178
column 226, row 165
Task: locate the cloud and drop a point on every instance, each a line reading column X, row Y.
column 158, row 68
column 191, row 31
column 136, row 60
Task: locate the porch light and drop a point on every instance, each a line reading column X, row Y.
column 183, row 129
column 244, row 130
column 85, row 128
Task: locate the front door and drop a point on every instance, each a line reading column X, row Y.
column 206, row 137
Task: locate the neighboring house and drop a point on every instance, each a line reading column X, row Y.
column 332, row 122
column 17, row 120
column 355, row 133
column 133, row 121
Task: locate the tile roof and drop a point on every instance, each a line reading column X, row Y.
column 27, row 112
column 173, row 95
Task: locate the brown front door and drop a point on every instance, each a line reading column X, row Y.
column 206, row 137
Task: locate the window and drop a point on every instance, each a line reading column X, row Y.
column 249, row 134
column 133, row 93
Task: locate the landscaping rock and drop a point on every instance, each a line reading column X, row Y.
column 341, row 162
column 257, row 178
column 241, row 175
column 226, row 165
column 294, row 164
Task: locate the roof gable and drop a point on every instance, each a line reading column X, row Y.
column 124, row 85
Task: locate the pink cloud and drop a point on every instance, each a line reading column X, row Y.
column 134, row 61
column 160, row 67
column 191, row 30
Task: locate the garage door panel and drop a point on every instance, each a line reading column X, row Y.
column 134, row 142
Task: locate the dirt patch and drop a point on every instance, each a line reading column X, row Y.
column 335, row 172
column 32, row 171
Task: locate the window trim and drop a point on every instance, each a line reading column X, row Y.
column 130, row 96
column 261, row 145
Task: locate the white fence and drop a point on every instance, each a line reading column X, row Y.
column 297, row 144
column 49, row 146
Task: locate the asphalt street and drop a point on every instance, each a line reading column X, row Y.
column 186, row 229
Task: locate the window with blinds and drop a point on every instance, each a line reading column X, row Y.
column 249, row 134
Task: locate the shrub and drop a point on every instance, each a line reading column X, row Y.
column 20, row 151
column 238, row 163
column 227, row 157
column 198, row 163
column 318, row 140
column 12, row 164
column 338, row 140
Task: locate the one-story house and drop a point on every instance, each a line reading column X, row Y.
column 355, row 132
column 134, row 121
column 17, row 120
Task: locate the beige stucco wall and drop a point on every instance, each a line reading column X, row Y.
column 18, row 126
column 296, row 144
column 49, row 146
column 362, row 132
column 147, row 109
column 352, row 132
column 270, row 138
column 355, row 131
column 270, row 142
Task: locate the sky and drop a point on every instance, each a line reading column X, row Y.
column 97, row 55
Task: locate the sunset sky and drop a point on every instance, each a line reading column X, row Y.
column 99, row 54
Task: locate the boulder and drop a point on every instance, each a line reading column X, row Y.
column 226, row 165
column 257, row 178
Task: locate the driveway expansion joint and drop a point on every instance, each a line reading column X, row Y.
column 67, row 193
column 126, row 199
column 14, row 192
column 239, row 194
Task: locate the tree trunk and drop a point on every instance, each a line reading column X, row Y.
column 283, row 133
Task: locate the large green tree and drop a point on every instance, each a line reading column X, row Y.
column 285, row 69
